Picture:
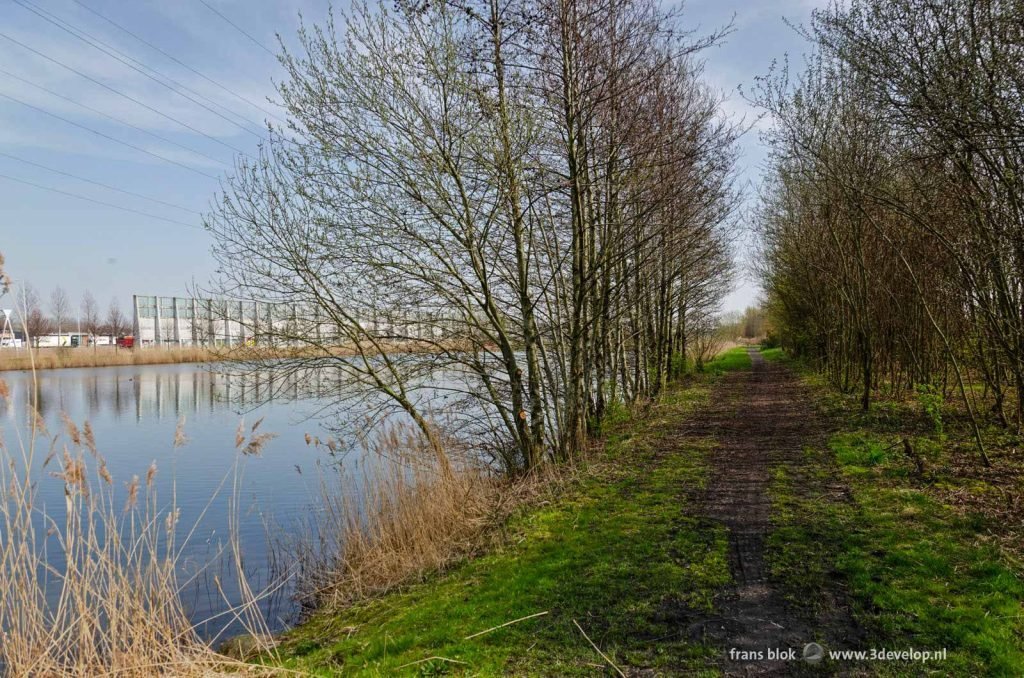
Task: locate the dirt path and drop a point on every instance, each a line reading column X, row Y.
column 760, row 418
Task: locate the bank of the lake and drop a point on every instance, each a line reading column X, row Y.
column 25, row 359
column 609, row 557
column 642, row 564
column 17, row 359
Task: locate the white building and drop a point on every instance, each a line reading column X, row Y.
column 185, row 321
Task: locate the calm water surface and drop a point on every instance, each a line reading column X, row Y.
column 134, row 412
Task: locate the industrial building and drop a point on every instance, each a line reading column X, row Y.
column 187, row 321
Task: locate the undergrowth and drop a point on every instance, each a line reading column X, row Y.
column 908, row 532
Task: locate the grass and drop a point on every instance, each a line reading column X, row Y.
column 100, row 356
column 615, row 551
column 735, row 358
column 919, row 571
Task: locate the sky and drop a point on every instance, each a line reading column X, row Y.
column 171, row 152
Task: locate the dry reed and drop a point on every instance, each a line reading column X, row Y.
column 119, row 610
column 412, row 519
column 100, row 356
column 94, row 591
column 112, row 356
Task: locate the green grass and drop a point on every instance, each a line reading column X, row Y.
column 622, row 552
column 774, row 354
column 619, row 552
column 919, row 574
column 729, row 361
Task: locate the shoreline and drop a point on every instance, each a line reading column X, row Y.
column 634, row 550
column 19, row 360
column 14, row 360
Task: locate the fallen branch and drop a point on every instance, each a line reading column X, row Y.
column 606, row 658
column 430, row 659
column 508, row 623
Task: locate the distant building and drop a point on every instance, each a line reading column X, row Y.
column 62, row 340
column 12, row 339
column 186, row 321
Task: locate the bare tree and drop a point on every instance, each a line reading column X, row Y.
column 90, row 316
column 893, row 223
column 470, row 199
column 5, row 281
column 33, row 319
column 116, row 322
column 60, row 309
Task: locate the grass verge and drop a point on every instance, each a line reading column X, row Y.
column 614, row 554
column 920, row 572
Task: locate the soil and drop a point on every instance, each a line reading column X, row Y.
column 760, row 418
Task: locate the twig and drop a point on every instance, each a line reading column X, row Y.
column 430, row 659
column 508, row 623
column 610, row 662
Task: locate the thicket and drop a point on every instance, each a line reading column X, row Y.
column 892, row 223
column 531, row 197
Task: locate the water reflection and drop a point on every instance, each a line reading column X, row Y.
column 134, row 411
column 157, row 392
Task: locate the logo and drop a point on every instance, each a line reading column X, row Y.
column 813, row 653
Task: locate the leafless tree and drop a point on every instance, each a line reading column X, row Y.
column 5, row 280
column 60, row 309
column 116, row 322
column 90, row 316
column 893, row 227
column 32, row 317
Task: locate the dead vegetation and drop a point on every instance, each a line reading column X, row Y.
column 100, row 356
column 112, row 551
column 91, row 588
column 111, row 356
column 415, row 514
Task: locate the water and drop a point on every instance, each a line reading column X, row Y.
column 134, row 412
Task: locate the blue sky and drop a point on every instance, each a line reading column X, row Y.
column 51, row 239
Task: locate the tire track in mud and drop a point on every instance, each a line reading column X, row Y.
column 760, row 419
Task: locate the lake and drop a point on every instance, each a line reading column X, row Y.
column 134, row 413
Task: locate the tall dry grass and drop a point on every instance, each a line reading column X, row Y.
column 415, row 514
column 111, row 356
column 95, row 591
column 100, row 356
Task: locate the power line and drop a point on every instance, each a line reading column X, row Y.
column 177, row 61
column 107, row 136
column 98, row 202
column 134, row 64
column 239, row 29
column 111, row 117
column 99, row 183
column 120, row 93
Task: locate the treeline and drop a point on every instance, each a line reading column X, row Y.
column 59, row 316
column 893, row 221
column 552, row 174
column 751, row 323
